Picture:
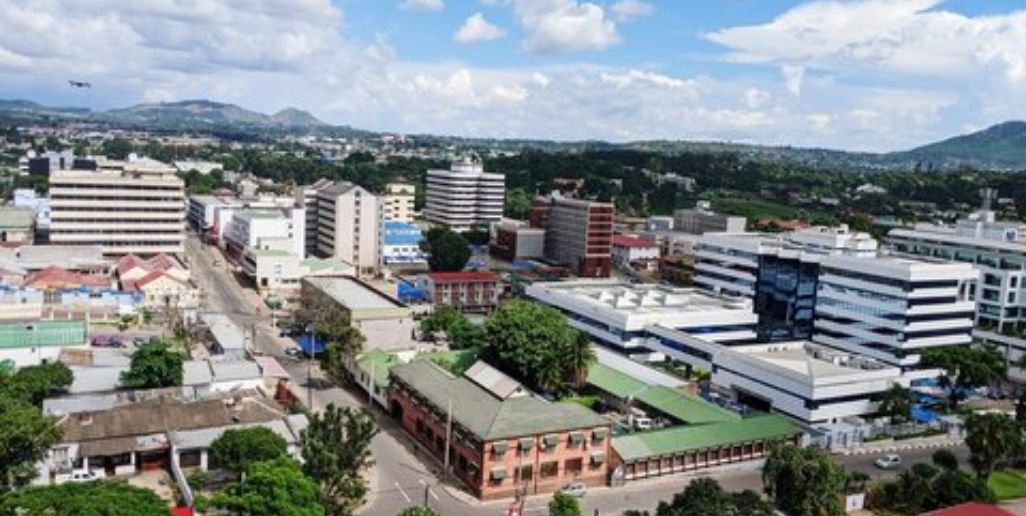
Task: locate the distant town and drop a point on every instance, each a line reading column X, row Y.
column 193, row 322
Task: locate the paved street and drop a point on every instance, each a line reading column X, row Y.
column 398, row 477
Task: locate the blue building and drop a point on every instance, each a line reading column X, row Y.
column 401, row 243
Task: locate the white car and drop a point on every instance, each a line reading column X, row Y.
column 86, row 476
column 575, row 489
column 889, row 461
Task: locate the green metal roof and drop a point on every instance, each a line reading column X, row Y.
column 680, row 405
column 377, row 363
column 684, row 406
column 16, row 218
column 42, row 333
column 697, row 437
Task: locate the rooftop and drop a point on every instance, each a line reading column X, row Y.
column 487, row 416
column 251, row 214
column 815, row 361
column 16, row 218
column 632, row 242
column 695, row 437
column 675, row 403
column 353, row 294
column 35, row 257
column 643, row 298
column 42, row 333
column 462, row 276
column 378, row 363
column 227, row 334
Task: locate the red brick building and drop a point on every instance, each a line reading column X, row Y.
column 465, row 290
column 504, row 440
column 578, row 233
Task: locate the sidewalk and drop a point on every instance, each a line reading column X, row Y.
column 940, row 441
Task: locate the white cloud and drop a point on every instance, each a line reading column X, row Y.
column 422, row 5
column 756, row 98
column 476, row 29
column 630, row 10
column 554, row 26
column 648, row 79
column 540, row 79
column 793, row 77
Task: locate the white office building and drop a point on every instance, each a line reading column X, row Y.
column 126, row 207
column 249, row 227
column 998, row 252
column 399, row 202
column 701, row 219
column 349, row 226
column 891, row 308
column 464, row 196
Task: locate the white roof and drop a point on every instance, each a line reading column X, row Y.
column 231, row 370
column 227, row 334
column 353, row 294
column 204, row 437
column 95, row 379
column 644, row 298
column 196, row 372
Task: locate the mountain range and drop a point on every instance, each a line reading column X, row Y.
column 1001, row 147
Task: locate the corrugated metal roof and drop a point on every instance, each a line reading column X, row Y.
column 684, row 406
column 614, row 382
column 493, row 380
column 696, row 437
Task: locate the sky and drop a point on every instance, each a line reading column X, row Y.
column 873, row 75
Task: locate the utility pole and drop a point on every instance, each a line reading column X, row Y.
column 448, row 437
column 309, row 368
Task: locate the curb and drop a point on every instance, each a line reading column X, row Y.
column 902, row 447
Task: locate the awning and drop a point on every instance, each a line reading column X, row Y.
column 599, row 433
column 550, row 440
column 598, row 457
column 500, row 447
column 498, row 473
column 576, row 437
column 526, row 443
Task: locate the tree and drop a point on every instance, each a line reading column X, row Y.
column 154, row 366
column 518, row 204
column 333, row 326
column 581, row 356
column 896, row 403
column 117, row 148
column 446, row 249
column 336, row 449
column 563, row 504
column 706, row 496
column 109, row 498
column 34, row 383
column 26, row 435
column 1020, row 408
column 442, row 319
column 417, row 510
column 533, row 343
column 965, row 368
column 803, row 481
column 944, row 459
column 236, row 449
column 465, row 335
column 992, row 439
column 272, row 488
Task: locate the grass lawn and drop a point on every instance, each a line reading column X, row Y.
column 1008, row 484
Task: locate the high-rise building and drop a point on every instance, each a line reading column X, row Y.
column 349, row 226
column 464, row 196
column 398, row 202
column 306, row 197
column 135, row 206
column 998, row 252
column 578, row 233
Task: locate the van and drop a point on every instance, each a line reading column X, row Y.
column 643, row 423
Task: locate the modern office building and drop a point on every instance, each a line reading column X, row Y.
column 578, row 233
column 515, row 240
column 464, row 196
column 998, row 251
column 702, row 219
column 135, row 206
column 210, row 215
column 891, row 308
column 399, row 202
column 248, row 227
column 306, row 197
column 349, row 226
column 401, row 244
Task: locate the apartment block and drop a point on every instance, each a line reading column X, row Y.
column 125, row 207
column 306, row 197
column 463, row 290
column 578, row 233
column 399, row 201
column 211, row 215
column 464, row 196
column 349, row 226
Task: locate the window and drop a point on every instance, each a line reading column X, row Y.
column 526, row 473
column 573, row 466
column 549, row 469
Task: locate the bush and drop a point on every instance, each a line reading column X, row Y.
column 198, row 479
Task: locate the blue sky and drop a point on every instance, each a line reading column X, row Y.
column 853, row 74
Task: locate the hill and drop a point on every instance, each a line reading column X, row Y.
column 1001, row 146
column 205, row 113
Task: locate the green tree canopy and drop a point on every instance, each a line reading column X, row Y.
column 336, row 449
column 518, row 204
column 107, row 498
column 26, row 435
column 564, row 505
column 417, row 510
column 441, row 319
column 992, row 439
column 925, row 488
column 34, row 383
column 154, row 366
column 333, row 326
column 896, row 403
column 803, row 481
column 447, row 250
column 465, row 335
column 706, row 496
column 272, row 488
column 236, row 449
column 945, row 459
column 965, row 368
column 535, row 344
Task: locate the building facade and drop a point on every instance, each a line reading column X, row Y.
column 515, row 240
column 702, row 219
column 635, row 253
column 464, row 196
column 349, row 226
column 578, row 233
column 399, row 202
column 401, row 243
column 465, row 291
column 125, row 207
column 249, row 227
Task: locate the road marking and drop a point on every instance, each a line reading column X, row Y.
column 406, row 496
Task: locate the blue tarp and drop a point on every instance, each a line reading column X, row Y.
column 305, row 343
column 923, row 415
column 521, row 264
column 476, row 265
column 406, row 292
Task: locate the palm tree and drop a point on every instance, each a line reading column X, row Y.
column 581, row 356
column 896, row 402
column 992, row 439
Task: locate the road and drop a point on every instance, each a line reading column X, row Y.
column 398, row 477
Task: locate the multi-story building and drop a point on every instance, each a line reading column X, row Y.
column 515, row 240
column 998, row 251
column 502, row 440
column 210, row 215
column 28, row 198
column 464, row 196
column 123, row 206
column 349, row 226
column 401, row 243
column 891, row 309
column 399, row 202
column 634, row 252
column 578, row 233
column 306, row 197
column 248, row 227
column 384, row 321
column 702, row 219
column 463, row 290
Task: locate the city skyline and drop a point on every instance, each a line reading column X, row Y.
column 776, row 72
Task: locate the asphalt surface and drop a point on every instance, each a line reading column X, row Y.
column 400, row 477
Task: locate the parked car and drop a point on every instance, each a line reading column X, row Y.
column 889, row 461
column 293, row 352
column 575, row 489
column 107, row 341
column 86, row 475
